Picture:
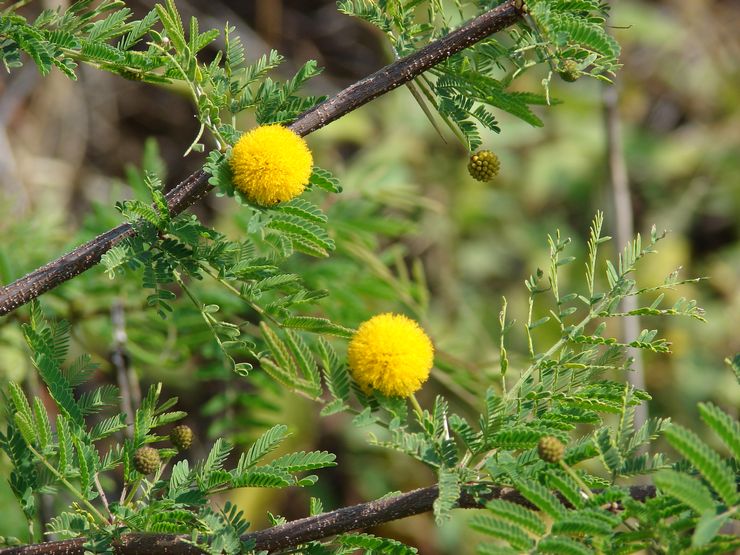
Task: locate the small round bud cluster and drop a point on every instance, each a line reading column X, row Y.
column 146, row 460
column 550, row 449
column 484, row 165
column 569, row 71
column 181, row 437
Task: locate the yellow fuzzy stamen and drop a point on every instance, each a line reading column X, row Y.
column 392, row 354
column 270, row 164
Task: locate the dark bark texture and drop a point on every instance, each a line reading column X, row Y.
column 292, row 534
column 196, row 186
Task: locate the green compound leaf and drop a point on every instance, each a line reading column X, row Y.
column 304, row 209
column 109, row 27
column 80, row 370
column 493, row 415
column 172, row 23
column 64, row 440
column 59, row 387
column 302, row 231
column 304, row 359
column 108, row 427
column 587, row 522
column 687, row 489
column 511, row 533
column 464, row 431
column 178, row 521
column 20, row 402
column 293, row 363
column 266, row 443
column 567, row 487
column 137, row 30
column 216, row 458
column 335, row 372
column 566, row 27
column 97, row 399
column 374, row 544
column 708, row 527
column 101, row 52
column 705, row 460
column 519, row 437
column 302, row 461
column 180, row 477
column 562, row 546
column 317, row 325
column 540, row 496
column 727, row 428
column 263, row 477
column 325, row 180
column 34, row 44
column 517, row 515
column 116, row 260
column 492, row 549
column 26, row 428
column 608, row 452
column 449, row 493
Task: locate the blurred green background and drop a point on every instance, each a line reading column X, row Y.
column 67, row 149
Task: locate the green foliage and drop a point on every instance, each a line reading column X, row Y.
column 560, row 388
column 68, row 457
column 712, row 495
column 372, row 544
column 465, row 88
column 101, row 35
column 168, row 250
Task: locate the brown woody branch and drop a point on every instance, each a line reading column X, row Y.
column 297, row 532
column 196, row 186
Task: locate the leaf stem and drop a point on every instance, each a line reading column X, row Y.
column 77, row 493
column 578, row 480
column 258, row 309
column 101, row 492
column 558, row 344
column 417, row 406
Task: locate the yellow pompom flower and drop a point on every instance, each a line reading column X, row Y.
column 270, row 164
column 392, row 354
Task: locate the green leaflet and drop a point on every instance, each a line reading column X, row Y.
column 707, row 462
column 686, row 489
column 266, row 443
column 727, row 428
column 374, row 544
column 449, row 493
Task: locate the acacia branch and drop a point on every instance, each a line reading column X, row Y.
column 196, row 186
column 294, row 533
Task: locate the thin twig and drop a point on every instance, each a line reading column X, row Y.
column 120, row 360
column 101, row 492
column 45, row 510
column 71, row 488
column 195, row 187
column 624, row 230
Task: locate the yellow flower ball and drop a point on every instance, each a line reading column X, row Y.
column 392, row 354
column 271, row 164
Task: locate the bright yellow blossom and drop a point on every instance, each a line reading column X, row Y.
column 270, row 164
column 392, row 354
